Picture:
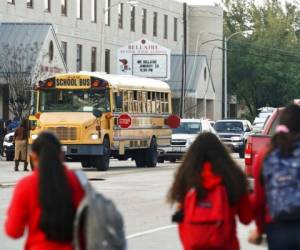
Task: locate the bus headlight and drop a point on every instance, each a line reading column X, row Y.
column 34, row 136
column 94, row 137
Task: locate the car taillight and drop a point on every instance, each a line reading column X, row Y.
column 248, row 154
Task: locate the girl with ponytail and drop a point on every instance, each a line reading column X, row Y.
column 45, row 202
column 271, row 168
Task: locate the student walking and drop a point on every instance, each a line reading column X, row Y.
column 45, row 202
column 210, row 190
column 20, row 140
column 276, row 198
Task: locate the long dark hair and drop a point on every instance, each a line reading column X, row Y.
column 207, row 147
column 285, row 141
column 55, row 194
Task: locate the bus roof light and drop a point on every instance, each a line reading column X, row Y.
column 37, row 115
column 50, row 84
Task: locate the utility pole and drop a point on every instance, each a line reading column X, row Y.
column 225, row 80
column 184, row 49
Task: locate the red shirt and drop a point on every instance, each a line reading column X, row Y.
column 24, row 213
column 242, row 208
column 258, row 198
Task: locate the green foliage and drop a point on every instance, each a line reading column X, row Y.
column 264, row 67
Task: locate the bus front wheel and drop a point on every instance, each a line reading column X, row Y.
column 101, row 162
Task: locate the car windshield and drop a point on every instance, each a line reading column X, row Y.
column 188, row 128
column 73, row 100
column 229, row 126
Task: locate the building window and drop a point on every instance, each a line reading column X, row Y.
column 29, row 3
column 79, row 57
column 175, row 28
column 120, row 15
column 154, row 23
column 107, row 12
column 94, row 59
column 107, row 61
column 64, row 50
column 51, row 51
column 79, row 9
column 11, row 1
column 144, row 21
column 132, row 18
column 47, row 5
column 165, row 26
column 63, row 4
column 94, row 11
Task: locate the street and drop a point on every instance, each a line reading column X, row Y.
column 140, row 194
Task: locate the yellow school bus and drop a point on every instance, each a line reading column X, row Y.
column 97, row 116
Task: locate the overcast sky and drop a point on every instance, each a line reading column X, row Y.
column 212, row 2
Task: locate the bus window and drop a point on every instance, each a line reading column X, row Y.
column 149, row 103
column 73, row 100
column 118, row 101
column 144, row 102
column 139, row 99
column 135, row 102
column 33, row 103
column 130, row 101
column 157, row 101
column 125, row 101
column 166, row 103
column 153, row 104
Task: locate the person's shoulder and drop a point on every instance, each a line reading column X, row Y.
column 72, row 176
column 27, row 181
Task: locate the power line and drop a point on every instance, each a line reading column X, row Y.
column 283, row 52
column 262, row 56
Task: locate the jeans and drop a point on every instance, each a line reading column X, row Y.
column 283, row 236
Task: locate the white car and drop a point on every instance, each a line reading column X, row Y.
column 183, row 137
column 8, row 146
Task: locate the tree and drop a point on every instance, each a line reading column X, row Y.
column 19, row 69
column 263, row 68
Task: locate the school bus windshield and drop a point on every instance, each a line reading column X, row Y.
column 73, row 100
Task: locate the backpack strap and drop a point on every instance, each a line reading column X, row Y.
column 83, row 180
column 77, row 223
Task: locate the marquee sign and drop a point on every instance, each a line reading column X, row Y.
column 146, row 59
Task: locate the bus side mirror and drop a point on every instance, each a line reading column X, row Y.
column 97, row 113
column 119, row 102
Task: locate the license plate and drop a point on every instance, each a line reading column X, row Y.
column 177, row 149
column 64, row 148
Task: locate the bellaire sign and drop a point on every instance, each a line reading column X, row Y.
column 146, row 59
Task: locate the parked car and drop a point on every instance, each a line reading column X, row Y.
column 261, row 119
column 258, row 141
column 183, row 137
column 234, row 134
column 8, row 146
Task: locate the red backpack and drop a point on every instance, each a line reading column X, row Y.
column 207, row 222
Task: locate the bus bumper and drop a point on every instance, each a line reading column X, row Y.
column 82, row 150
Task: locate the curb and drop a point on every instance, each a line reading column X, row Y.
column 7, row 185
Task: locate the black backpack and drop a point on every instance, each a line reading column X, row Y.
column 98, row 219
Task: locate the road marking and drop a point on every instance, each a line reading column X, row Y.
column 136, row 235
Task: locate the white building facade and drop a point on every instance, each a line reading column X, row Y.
column 85, row 28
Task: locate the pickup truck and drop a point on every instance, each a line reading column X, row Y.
column 257, row 141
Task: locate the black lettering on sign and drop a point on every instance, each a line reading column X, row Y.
column 72, row 82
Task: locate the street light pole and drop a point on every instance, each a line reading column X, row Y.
column 225, row 80
column 226, row 40
column 105, row 10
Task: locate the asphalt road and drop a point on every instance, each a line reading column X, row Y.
column 140, row 194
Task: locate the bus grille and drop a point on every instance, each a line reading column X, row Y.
column 64, row 133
